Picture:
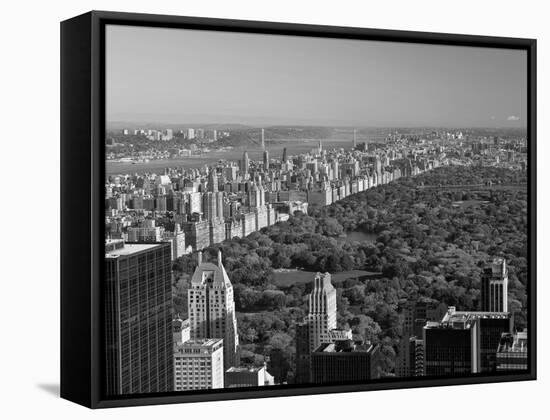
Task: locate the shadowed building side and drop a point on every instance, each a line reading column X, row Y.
column 344, row 361
column 138, row 319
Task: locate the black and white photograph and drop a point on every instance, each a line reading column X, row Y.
column 275, row 210
column 288, row 211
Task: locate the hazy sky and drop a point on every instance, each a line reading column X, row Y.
column 190, row 76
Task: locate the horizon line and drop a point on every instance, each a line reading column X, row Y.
column 350, row 126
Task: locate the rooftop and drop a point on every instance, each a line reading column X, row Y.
column 210, row 273
column 459, row 317
column 513, row 343
column 128, row 249
column 347, row 346
column 195, row 346
column 249, row 369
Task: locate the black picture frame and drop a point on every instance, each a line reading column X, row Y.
column 82, row 205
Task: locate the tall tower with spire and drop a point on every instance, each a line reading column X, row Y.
column 354, row 138
column 320, row 147
column 212, row 308
column 322, row 310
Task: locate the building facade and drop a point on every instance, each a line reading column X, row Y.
column 212, row 308
column 240, row 377
column 322, row 310
column 344, row 361
column 138, row 320
column 512, row 352
column 450, row 347
column 494, row 287
column 198, row 364
column 303, row 354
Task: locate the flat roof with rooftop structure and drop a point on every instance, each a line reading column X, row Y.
column 200, row 345
column 245, row 369
column 344, row 346
column 513, row 343
column 114, row 250
column 464, row 319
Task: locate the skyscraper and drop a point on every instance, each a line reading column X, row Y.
column 450, row 347
column 285, row 157
column 460, row 354
column 491, row 327
column 209, row 206
column 245, row 163
column 266, row 160
column 262, row 139
column 303, row 354
column 212, row 308
column 494, row 287
column 354, row 138
column 344, row 361
column 416, row 314
column 138, row 320
column 220, row 204
column 254, row 196
column 322, row 310
column 213, row 181
column 378, row 167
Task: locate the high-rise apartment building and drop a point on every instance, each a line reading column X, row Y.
column 484, row 330
column 322, row 310
column 266, row 160
column 198, row 364
column 209, row 205
column 303, row 354
column 138, row 319
column 262, row 138
column 415, row 314
column 451, row 346
column 344, row 361
column 213, row 181
column 491, row 327
column 245, row 163
column 494, row 287
column 212, row 308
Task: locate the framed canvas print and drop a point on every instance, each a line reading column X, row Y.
column 255, row 209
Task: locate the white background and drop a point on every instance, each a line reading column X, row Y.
column 29, row 97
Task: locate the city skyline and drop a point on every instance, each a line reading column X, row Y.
column 179, row 76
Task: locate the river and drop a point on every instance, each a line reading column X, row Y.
column 255, row 153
